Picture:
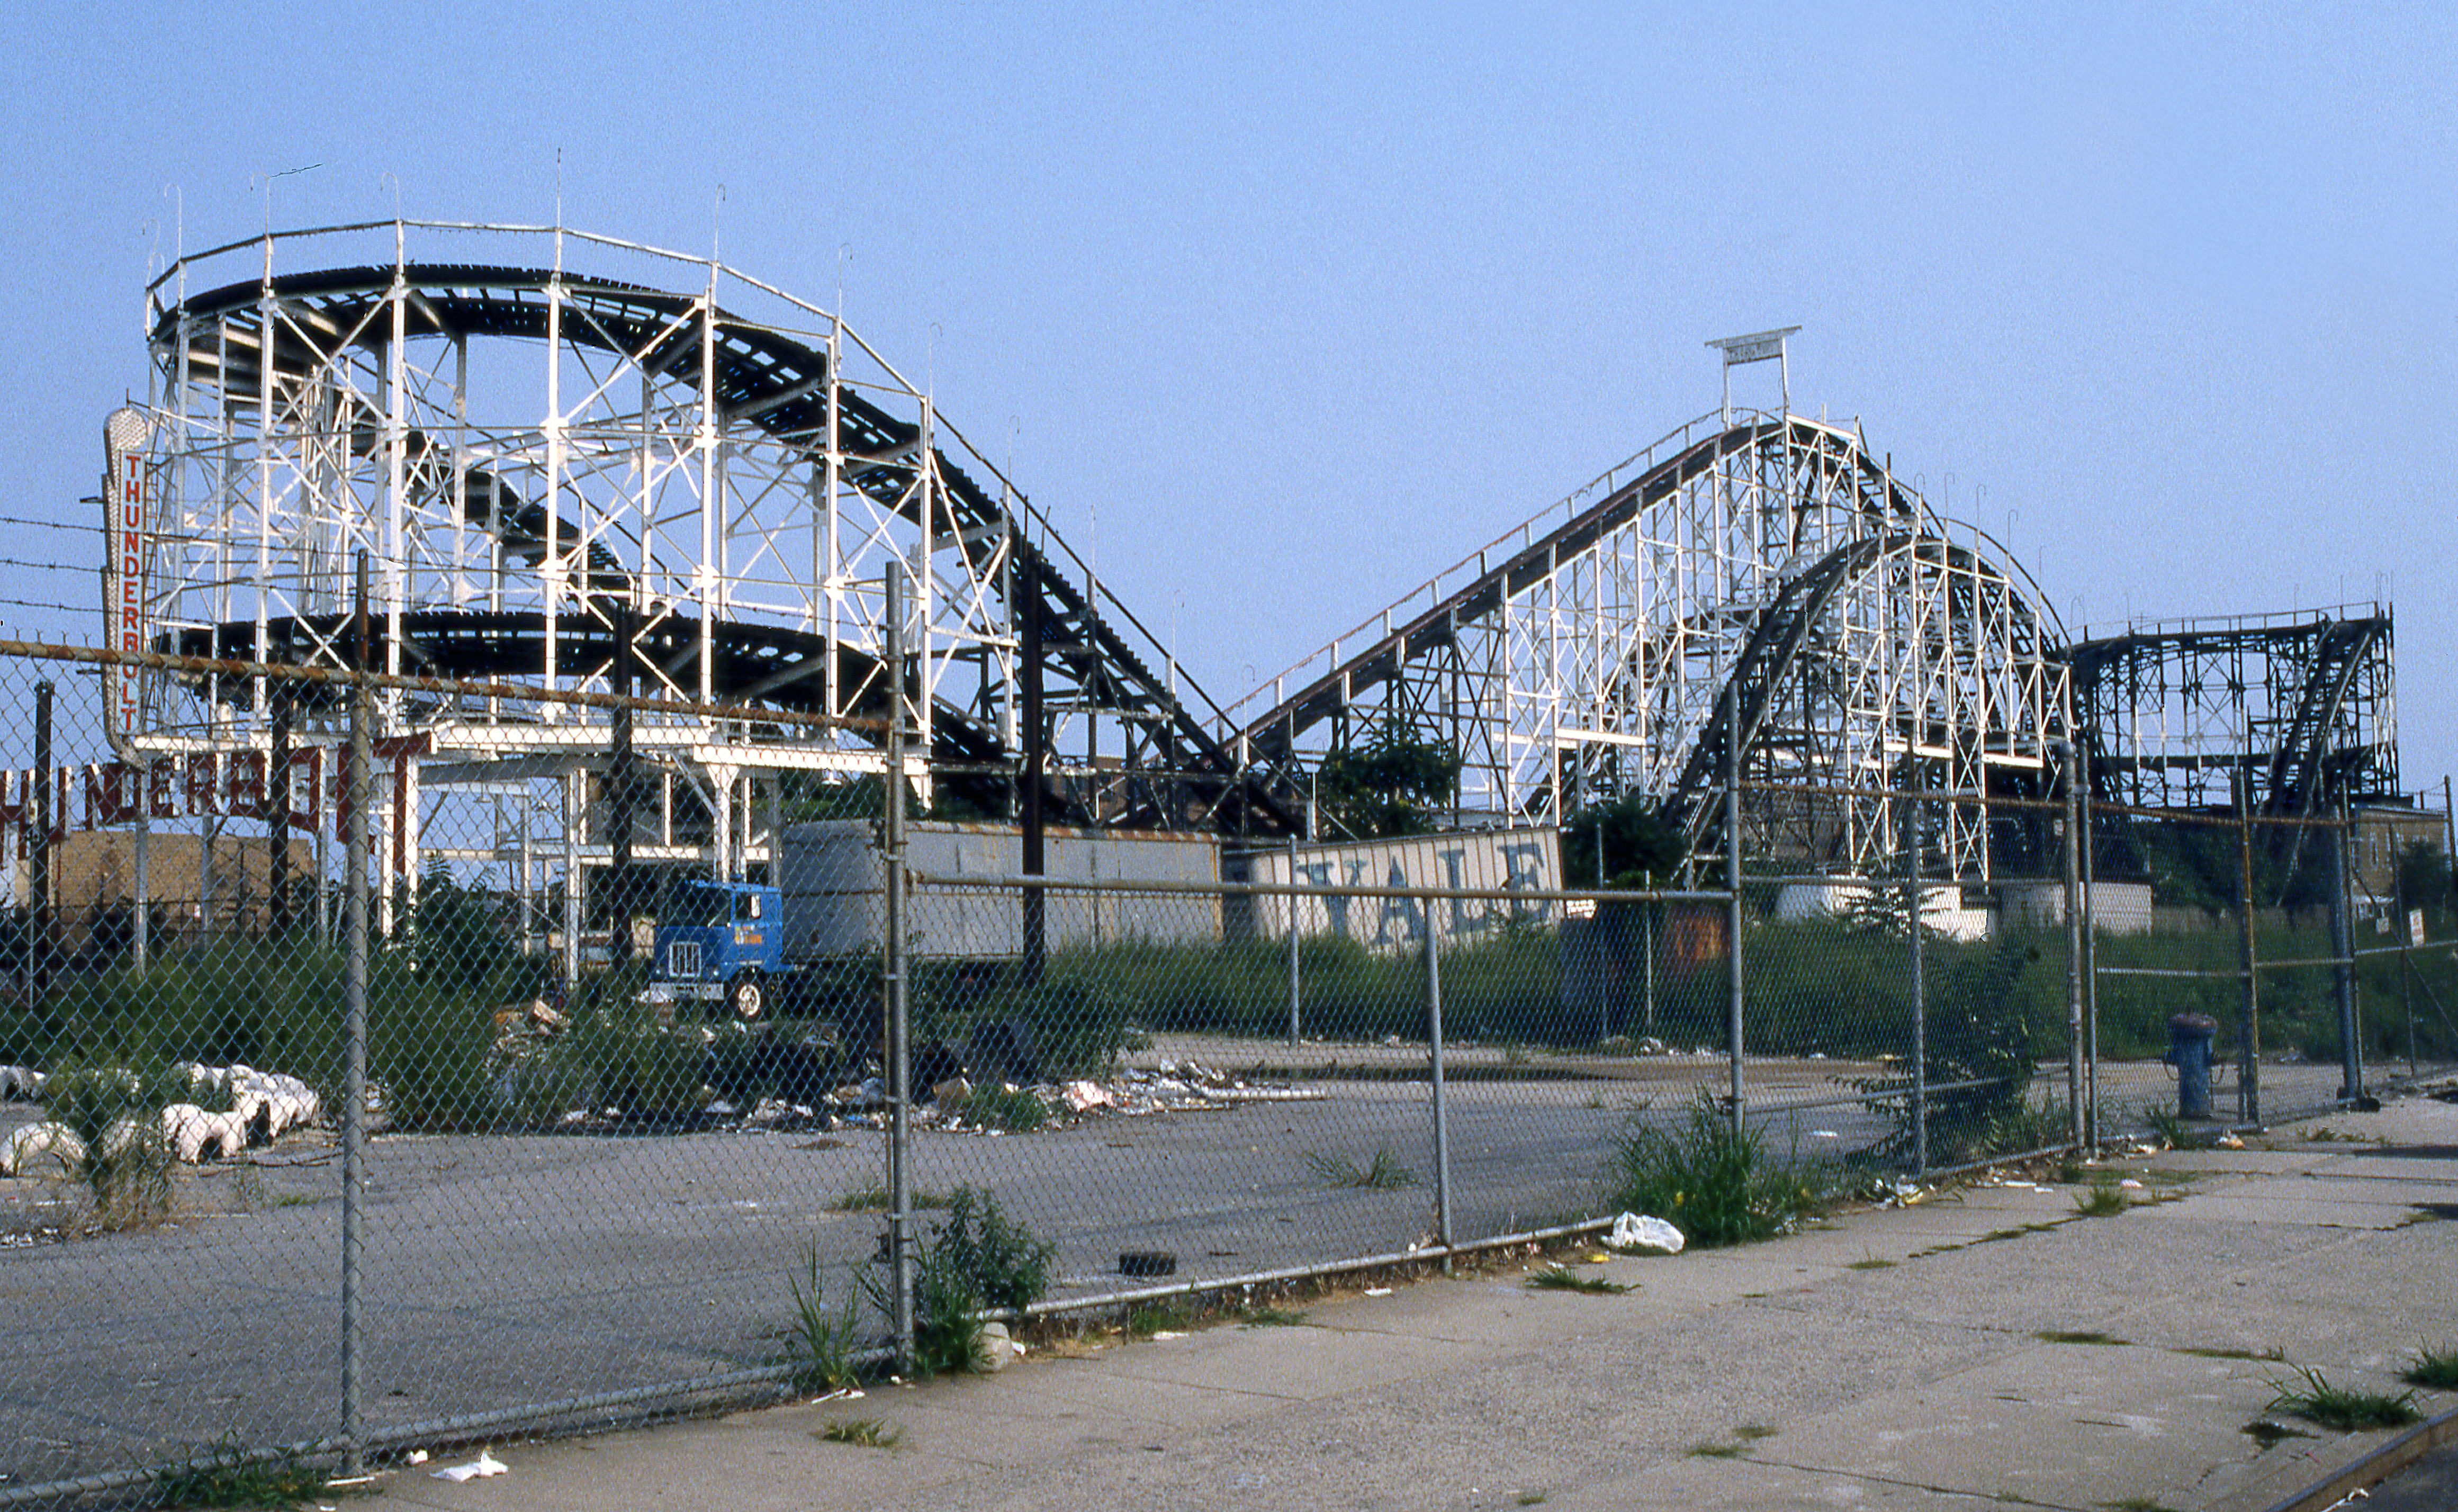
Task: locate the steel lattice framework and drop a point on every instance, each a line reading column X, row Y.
column 547, row 468
column 2298, row 707
column 1759, row 567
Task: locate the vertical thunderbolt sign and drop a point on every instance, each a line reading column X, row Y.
column 123, row 580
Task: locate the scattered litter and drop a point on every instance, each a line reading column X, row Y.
column 1632, row 1231
column 1083, row 1097
column 1823, row 1134
column 840, row 1394
column 2230, row 1142
column 2131, row 1185
column 418, row 1456
column 1901, row 1193
column 1168, row 1333
column 478, row 1469
column 1378, row 1291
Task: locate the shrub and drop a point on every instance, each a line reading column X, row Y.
column 1717, row 1184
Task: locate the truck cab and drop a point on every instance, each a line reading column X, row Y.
column 721, row 942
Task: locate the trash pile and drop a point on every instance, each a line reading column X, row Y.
column 1172, row 1086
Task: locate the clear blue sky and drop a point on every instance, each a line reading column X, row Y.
column 1310, row 302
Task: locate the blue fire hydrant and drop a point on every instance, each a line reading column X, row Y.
column 2189, row 1052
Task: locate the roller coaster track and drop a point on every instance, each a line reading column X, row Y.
column 761, row 377
column 1758, row 676
column 2301, row 764
column 1273, row 734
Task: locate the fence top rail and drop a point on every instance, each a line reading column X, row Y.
column 343, row 676
column 989, row 883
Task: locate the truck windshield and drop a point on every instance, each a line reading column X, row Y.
column 697, row 905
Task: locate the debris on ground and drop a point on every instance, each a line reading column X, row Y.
column 484, row 1465
column 1645, row 1231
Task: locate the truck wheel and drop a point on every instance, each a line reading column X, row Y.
column 746, row 996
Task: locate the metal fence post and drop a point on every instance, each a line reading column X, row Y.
column 2248, row 1081
column 354, row 1048
column 1291, row 902
column 38, row 851
column 2343, row 945
column 1441, row 1096
column 2073, row 947
column 2089, row 963
column 1912, row 901
column 1732, row 1027
column 893, row 971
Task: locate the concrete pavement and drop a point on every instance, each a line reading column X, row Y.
column 1985, row 1347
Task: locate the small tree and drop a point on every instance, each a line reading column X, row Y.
column 1638, row 848
column 1389, row 786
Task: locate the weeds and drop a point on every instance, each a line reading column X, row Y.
column 863, row 1433
column 819, row 1344
column 2434, row 1369
column 1007, row 1108
column 1720, row 1185
column 2170, row 1128
column 1272, row 1318
column 1385, row 1173
column 1753, row 1432
column 2339, row 1408
column 1870, row 1262
column 974, row 1259
column 1174, row 1315
column 1559, row 1278
column 124, row 1160
column 229, row 1477
column 876, row 1198
column 2104, row 1200
column 2062, row 1336
column 1715, row 1451
column 2271, row 1354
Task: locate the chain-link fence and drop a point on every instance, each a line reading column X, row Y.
column 471, row 1083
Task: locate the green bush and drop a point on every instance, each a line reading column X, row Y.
column 1717, row 1184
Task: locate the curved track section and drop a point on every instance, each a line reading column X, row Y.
column 732, row 482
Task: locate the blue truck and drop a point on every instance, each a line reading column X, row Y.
column 721, row 943
column 757, row 948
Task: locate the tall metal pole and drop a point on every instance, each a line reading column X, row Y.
column 1733, row 1028
column 1909, row 839
column 2248, row 1081
column 276, row 816
column 1291, row 903
column 1442, row 1095
column 899, row 1062
column 354, row 1043
column 1035, row 735
column 2090, row 959
column 39, row 859
column 622, row 791
column 2073, row 948
column 2343, row 945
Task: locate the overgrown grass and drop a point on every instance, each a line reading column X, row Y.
column 877, row 1198
column 974, row 1259
column 1717, row 1184
column 2433, row 1369
column 2105, row 1199
column 1560, row 1278
column 1013, row 1111
column 1272, row 1317
column 1383, row 1173
column 227, row 1476
column 124, row 1162
column 819, row 1344
column 1174, row 1315
column 2339, row 1408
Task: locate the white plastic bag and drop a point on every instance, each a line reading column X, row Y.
column 1633, row 1231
